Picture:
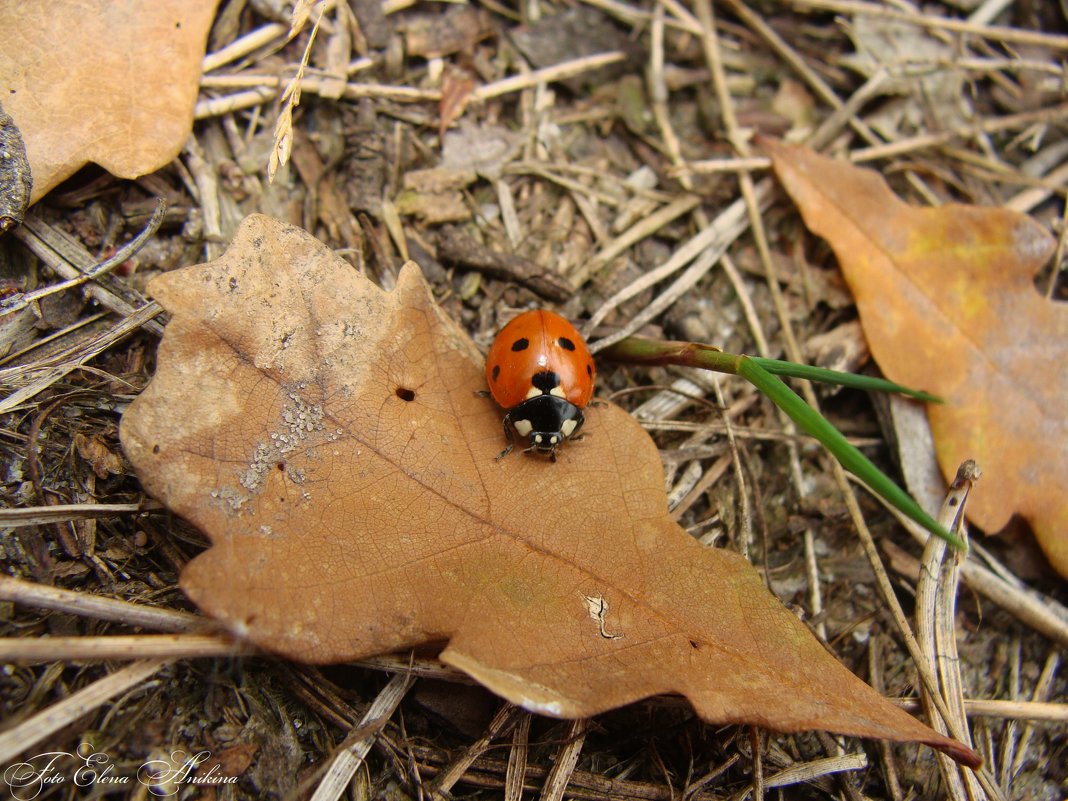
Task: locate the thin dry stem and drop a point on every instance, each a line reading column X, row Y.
column 351, row 756
column 504, row 719
column 566, row 761
column 96, row 606
column 68, row 259
column 1036, row 711
column 807, row 771
column 134, row 646
column 270, row 34
column 713, row 240
column 994, row 32
column 39, row 377
column 936, row 636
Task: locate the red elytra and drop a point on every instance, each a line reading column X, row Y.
column 540, row 371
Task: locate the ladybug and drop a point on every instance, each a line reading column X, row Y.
column 540, row 370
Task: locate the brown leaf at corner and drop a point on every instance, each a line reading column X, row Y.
column 456, row 89
column 948, row 304
column 327, row 437
column 103, row 82
column 98, row 455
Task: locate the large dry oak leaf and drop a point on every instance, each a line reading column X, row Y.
column 948, row 303
column 113, row 83
column 327, row 436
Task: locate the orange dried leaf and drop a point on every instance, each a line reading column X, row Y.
column 103, row 82
column 947, row 301
column 327, row 437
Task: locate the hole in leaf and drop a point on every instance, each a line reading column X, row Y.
column 406, row 394
column 281, row 466
column 155, row 449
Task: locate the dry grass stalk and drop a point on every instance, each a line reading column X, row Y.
column 820, row 767
column 97, row 270
column 352, row 754
column 272, row 33
column 37, row 728
column 68, row 259
column 515, row 777
column 283, row 129
column 443, row 783
column 566, row 761
column 936, row 633
column 96, row 606
column 997, row 33
column 1040, row 613
column 40, row 515
column 32, row 380
column 134, row 646
column 701, row 252
column 1035, row 710
column 1041, row 692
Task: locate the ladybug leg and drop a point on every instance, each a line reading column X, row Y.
column 482, row 393
column 509, row 436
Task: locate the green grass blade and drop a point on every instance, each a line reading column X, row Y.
column 823, row 375
column 813, row 423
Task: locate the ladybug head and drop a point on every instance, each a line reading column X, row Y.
column 545, row 421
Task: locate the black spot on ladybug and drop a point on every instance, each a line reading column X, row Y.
column 520, row 344
column 565, row 343
column 589, row 370
column 546, row 381
column 496, row 371
column 405, row 394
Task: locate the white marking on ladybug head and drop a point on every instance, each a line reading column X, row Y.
column 554, row 439
column 523, row 427
column 568, row 427
column 534, row 392
column 558, row 391
column 537, row 438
